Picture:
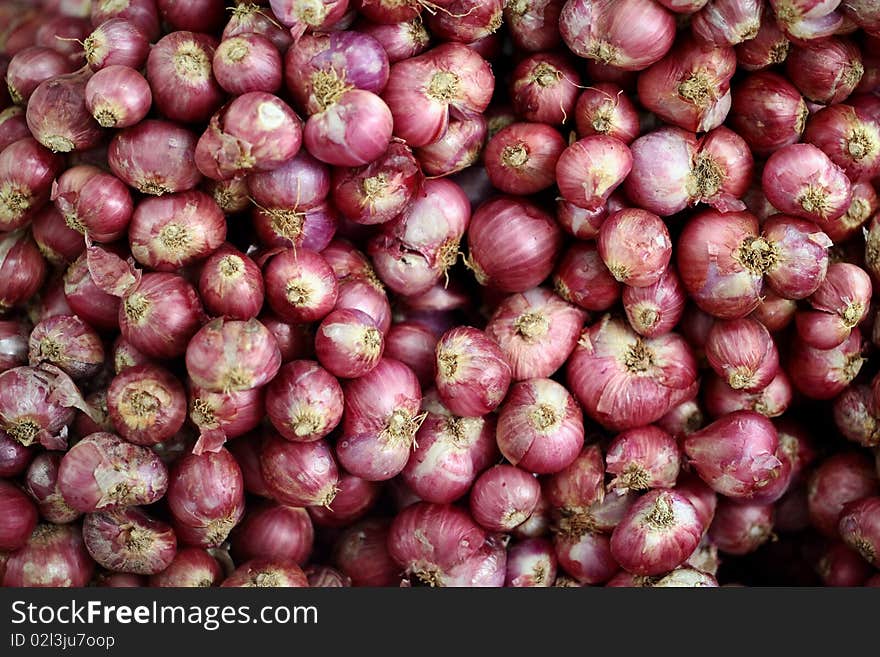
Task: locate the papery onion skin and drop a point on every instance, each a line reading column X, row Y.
column 503, row 497
column 770, row 46
column 544, row 88
column 300, row 285
column 849, row 138
column 655, row 309
column 583, row 279
column 531, row 563
column 361, row 552
column 68, row 343
column 26, row 173
column 533, row 25
column 54, row 556
column 605, row 109
column 87, row 300
column 742, row 352
column 728, row 22
column 825, row 71
column 642, row 458
column 147, row 404
column 635, row 246
column 348, row 343
column 823, row 374
column 856, row 416
column 521, row 158
column 630, row 35
column 103, row 472
column 590, row 169
column 274, row 531
column 129, row 541
column 57, row 114
column 231, row 284
column 860, row 528
column 36, row 405
column 247, row 62
column 586, row 556
column 116, row 42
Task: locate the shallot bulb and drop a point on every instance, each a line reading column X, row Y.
column 825, row 373
column 743, row 353
column 635, row 246
column 642, row 458
column 655, row 309
column 807, row 19
column 303, row 402
column 129, row 541
column 589, row 170
column 68, row 343
column 769, row 47
column 540, row 427
column 299, row 474
column 521, row 158
column 860, row 528
column 147, row 404
column 503, row 497
column 583, row 279
column 825, row 71
column 27, row 170
column 544, row 88
column 840, row 303
column 850, row 139
column 741, row 528
column 840, row 479
column 768, row 112
column 626, row 381
column 605, row 109
column 472, row 372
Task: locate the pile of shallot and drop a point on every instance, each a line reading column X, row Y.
column 447, row 293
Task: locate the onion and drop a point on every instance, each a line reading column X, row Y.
column 326, row 577
column 544, row 88
column 68, row 343
column 64, row 34
column 160, row 315
column 147, row 404
column 682, row 420
column 842, row 566
column 769, row 47
column 860, row 528
column 97, row 204
column 180, row 75
column 294, row 340
column 14, row 457
column 348, row 343
column 589, row 170
column 533, row 26
column 266, row 573
column 641, row 459
column 536, row 332
column 413, row 344
column 654, row 310
column 231, row 284
column 13, row 126
column 825, row 71
column 54, row 556
column 531, row 563
column 400, row 40
column 440, row 545
column 458, row 149
column 13, row 343
column 811, row 19
column 741, row 528
column 316, row 15
column 142, row 13
column 823, row 374
column 577, row 491
column 472, row 373
column 302, row 182
column 231, row 195
column 449, row 454
column 97, row 420
column 690, row 87
column 586, row 556
column 849, row 138
column 42, row 484
column 840, row 303
column 583, row 279
column 423, row 90
column 324, row 65
column 206, row 497
column 223, row 415
column 840, row 479
column 191, row 567
column 381, row 190
column 503, row 497
column 722, row 260
column 658, row 533
column 634, row 244
column 856, row 415
column 176, row 230
column 728, row 22
column 196, row 15
column 116, row 42
column 87, row 300
column 247, row 454
column 32, row 66
column 864, row 204
column 768, row 112
column 735, row 455
column 37, row 405
column 771, row 401
column 514, row 267
column 628, row 34
column 801, row 180
column 103, row 472
column 26, row 173
column 604, row 109
column 232, row 355
column 155, row 157
column 624, row 381
column 303, row 402
column 19, row 517
column 57, row 114
column 255, row 132
column 249, row 18
column 380, row 421
column 353, row 128
column 300, row 285
column 362, row 295
column 129, row 541
column 354, row 499
column 743, row 353
column 361, row 553
column 299, row 474
column 248, row 62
